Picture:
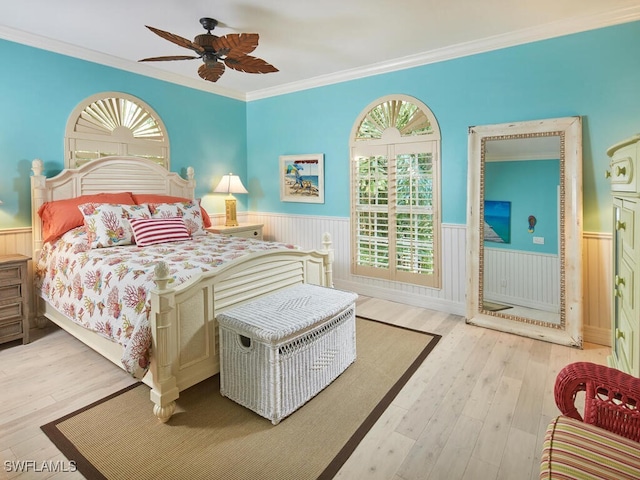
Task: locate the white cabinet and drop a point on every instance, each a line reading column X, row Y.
column 625, row 189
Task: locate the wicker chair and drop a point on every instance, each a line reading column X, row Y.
column 603, row 442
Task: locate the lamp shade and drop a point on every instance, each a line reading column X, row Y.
column 230, row 184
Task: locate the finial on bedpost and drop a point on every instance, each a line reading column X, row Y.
column 326, row 240
column 190, row 179
column 327, row 247
column 37, row 167
column 161, row 275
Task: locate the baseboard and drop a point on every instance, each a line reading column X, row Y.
column 599, row 336
column 402, row 297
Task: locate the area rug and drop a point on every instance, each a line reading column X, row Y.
column 494, row 307
column 211, row 437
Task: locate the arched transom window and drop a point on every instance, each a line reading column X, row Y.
column 114, row 123
column 395, row 198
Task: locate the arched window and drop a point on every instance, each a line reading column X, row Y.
column 395, row 197
column 114, row 123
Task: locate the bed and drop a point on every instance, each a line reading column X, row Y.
column 181, row 314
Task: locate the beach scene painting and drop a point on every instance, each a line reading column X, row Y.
column 302, row 178
column 497, row 221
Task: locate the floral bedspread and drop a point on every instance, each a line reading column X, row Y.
column 107, row 289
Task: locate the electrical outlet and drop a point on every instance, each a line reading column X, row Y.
column 538, row 240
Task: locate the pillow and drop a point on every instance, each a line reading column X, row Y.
column 107, row 225
column 158, row 198
column 189, row 212
column 60, row 216
column 149, row 231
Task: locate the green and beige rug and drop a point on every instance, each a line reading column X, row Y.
column 210, row 437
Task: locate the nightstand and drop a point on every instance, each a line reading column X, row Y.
column 246, row 230
column 14, row 321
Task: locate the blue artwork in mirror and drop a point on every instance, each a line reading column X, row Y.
column 497, row 221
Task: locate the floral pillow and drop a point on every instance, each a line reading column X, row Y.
column 107, row 225
column 190, row 213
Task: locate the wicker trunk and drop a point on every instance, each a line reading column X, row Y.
column 279, row 351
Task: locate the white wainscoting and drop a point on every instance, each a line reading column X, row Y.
column 522, row 278
column 307, row 232
column 15, row 240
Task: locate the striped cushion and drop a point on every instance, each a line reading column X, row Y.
column 577, row 450
column 149, row 231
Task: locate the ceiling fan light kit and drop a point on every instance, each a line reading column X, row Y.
column 217, row 53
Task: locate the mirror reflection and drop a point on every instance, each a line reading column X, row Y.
column 521, row 270
column 524, row 229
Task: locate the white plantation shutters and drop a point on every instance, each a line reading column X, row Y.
column 114, row 123
column 395, row 198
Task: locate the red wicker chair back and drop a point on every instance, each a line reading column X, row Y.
column 611, row 397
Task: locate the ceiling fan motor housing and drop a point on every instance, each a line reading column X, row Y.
column 205, row 40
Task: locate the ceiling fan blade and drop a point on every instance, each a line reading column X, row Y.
column 249, row 64
column 172, row 57
column 178, row 40
column 237, row 44
column 212, row 71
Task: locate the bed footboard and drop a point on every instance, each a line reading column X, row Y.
column 183, row 325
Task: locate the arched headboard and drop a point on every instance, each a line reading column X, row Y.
column 107, row 174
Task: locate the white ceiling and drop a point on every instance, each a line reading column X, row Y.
column 311, row 43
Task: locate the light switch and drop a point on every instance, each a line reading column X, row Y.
column 538, row 240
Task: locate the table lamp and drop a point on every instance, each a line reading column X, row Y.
column 230, row 184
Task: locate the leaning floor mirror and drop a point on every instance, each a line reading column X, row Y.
column 524, row 229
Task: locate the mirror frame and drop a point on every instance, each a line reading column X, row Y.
column 569, row 330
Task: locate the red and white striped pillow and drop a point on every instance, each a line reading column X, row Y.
column 149, row 231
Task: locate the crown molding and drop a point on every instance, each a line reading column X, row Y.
column 496, row 42
column 551, row 30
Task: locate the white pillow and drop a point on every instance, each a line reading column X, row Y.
column 190, row 212
column 149, row 231
column 107, row 224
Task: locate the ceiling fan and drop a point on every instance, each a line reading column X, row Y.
column 231, row 50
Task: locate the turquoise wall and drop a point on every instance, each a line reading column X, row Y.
column 592, row 74
column 39, row 89
column 532, row 189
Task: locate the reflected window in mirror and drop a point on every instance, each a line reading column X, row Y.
column 395, row 180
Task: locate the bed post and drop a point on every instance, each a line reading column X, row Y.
column 327, row 247
column 192, row 182
column 38, row 184
column 164, row 389
column 37, row 200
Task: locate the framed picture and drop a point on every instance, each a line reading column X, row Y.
column 302, row 178
column 497, row 221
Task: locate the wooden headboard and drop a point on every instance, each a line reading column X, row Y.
column 107, row 174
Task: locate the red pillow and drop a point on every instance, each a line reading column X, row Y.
column 149, row 231
column 60, row 216
column 141, row 198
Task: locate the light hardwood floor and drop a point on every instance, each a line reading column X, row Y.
column 476, row 409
